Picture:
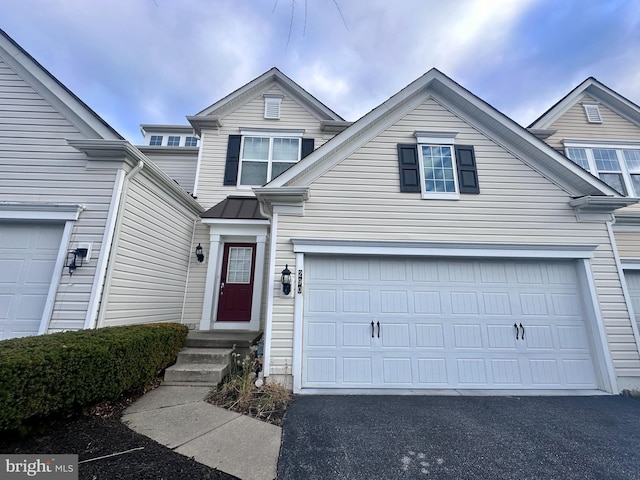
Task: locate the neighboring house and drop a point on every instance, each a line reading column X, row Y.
column 74, row 193
column 599, row 130
column 434, row 244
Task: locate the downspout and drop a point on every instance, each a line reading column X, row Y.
column 625, row 291
column 186, row 282
column 270, row 285
column 100, row 307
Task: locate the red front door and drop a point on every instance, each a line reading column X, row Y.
column 236, row 282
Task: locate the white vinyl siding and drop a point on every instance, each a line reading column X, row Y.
column 151, row 257
column 574, row 125
column 516, row 205
column 251, row 115
column 38, row 165
column 180, row 167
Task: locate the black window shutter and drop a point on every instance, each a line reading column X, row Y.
column 233, row 160
column 409, row 167
column 307, row 146
column 467, row 170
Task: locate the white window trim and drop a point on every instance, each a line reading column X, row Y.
column 618, row 148
column 174, row 136
column 423, row 187
column 271, row 134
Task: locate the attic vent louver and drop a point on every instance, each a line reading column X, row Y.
column 272, row 106
column 593, row 113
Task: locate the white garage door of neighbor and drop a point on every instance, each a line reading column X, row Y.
column 408, row 323
column 632, row 277
column 28, row 255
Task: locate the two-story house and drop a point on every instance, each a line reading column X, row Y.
column 433, row 244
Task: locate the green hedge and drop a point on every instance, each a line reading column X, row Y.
column 61, row 372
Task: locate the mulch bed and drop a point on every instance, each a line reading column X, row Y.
column 98, row 432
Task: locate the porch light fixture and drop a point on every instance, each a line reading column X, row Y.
column 75, row 259
column 199, row 253
column 286, row 280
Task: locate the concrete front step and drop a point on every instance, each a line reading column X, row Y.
column 204, row 355
column 222, row 338
column 196, row 373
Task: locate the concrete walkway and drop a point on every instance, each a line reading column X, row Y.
column 179, row 418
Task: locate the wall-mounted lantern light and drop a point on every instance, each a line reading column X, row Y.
column 199, row 253
column 75, row 259
column 286, row 280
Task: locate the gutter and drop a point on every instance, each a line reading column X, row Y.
column 268, row 320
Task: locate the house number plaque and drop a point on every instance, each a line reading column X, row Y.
column 299, row 282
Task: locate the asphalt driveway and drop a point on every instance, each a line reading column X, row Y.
column 395, row 437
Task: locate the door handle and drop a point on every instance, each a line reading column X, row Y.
column 372, row 328
column 517, row 331
column 378, row 329
column 522, row 336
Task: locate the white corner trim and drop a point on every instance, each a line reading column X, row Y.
column 437, row 249
column 594, row 319
column 298, row 327
column 268, row 324
column 55, row 278
column 39, row 211
column 91, row 318
column 198, row 166
column 620, row 266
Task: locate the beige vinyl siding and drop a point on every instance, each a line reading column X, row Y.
column 573, row 124
column 147, row 280
column 180, row 167
column 37, row 165
column 197, row 278
column 628, row 243
column 360, row 199
column 214, row 143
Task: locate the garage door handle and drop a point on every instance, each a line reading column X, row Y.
column 517, row 331
column 372, row 328
column 378, row 329
column 522, row 336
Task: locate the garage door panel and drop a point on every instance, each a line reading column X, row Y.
column 322, row 334
column 10, row 271
column 506, row 371
column 450, row 325
column 394, row 335
column 432, row 372
column 429, row 335
column 28, row 254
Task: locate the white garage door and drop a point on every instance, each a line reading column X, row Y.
column 414, row 323
column 632, row 277
column 28, row 255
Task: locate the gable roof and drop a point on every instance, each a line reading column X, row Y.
column 262, row 83
column 597, row 90
column 54, row 91
column 479, row 114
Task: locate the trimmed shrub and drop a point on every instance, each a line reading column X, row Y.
column 62, row 372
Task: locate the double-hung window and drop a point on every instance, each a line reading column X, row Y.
column 262, row 158
column 156, row 140
column 190, row 142
column 438, row 171
column 618, row 167
column 173, row 141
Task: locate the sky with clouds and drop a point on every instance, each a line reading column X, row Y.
column 157, row 61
